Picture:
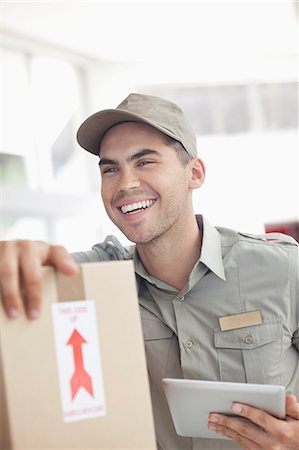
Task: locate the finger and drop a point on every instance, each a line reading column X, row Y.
column 9, row 279
column 32, row 256
column 292, row 407
column 30, row 276
column 243, row 441
column 280, row 429
column 241, row 429
column 20, row 273
column 258, row 416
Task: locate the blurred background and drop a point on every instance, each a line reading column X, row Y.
column 231, row 65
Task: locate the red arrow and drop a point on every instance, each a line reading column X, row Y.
column 80, row 377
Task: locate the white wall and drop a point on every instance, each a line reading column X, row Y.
column 251, row 180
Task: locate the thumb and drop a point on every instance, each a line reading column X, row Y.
column 292, row 407
column 59, row 257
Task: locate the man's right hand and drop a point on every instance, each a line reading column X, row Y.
column 20, row 273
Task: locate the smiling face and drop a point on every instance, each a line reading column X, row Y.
column 146, row 190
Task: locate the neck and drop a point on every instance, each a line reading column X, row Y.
column 172, row 256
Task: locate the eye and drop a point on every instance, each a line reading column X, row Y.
column 144, row 162
column 110, row 170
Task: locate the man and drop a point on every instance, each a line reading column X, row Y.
column 189, row 274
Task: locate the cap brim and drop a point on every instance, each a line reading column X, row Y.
column 92, row 130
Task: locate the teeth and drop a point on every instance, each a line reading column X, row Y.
column 138, row 205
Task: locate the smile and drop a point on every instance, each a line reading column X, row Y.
column 133, row 208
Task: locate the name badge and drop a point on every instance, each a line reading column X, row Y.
column 241, row 320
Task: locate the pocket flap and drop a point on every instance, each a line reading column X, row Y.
column 249, row 337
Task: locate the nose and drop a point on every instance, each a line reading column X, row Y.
column 128, row 180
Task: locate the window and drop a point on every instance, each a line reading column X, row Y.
column 236, row 108
column 38, row 159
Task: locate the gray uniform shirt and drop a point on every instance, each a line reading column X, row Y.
column 235, row 273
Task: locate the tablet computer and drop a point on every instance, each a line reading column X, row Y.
column 191, row 401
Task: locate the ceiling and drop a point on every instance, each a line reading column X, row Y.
column 157, row 30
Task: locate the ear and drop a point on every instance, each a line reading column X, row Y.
column 197, row 173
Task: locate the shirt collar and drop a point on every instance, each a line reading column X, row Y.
column 211, row 254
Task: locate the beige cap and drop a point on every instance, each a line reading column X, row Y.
column 155, row 111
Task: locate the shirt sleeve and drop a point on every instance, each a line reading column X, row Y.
column 108, row 250
column 296, row 299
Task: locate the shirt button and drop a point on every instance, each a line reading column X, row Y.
column 189, row 344
column 248, row 339
column 181, row 298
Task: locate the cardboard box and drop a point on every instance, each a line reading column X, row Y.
column 32, row 411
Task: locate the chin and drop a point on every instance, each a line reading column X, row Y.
column 138, row 234
column 137, row 238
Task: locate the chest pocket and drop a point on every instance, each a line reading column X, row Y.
column 250, row 354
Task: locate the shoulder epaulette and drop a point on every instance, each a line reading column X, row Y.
column 278, row 238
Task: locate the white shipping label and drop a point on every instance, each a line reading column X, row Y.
column 78, row 360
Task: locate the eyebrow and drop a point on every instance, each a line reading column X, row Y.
column 145, row 152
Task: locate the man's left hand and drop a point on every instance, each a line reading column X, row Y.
column 263, row 431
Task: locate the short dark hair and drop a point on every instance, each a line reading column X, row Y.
column 182, row 154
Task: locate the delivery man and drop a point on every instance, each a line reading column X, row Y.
column 189, row 274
